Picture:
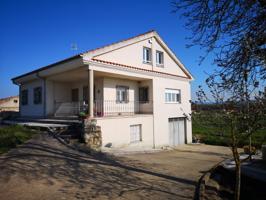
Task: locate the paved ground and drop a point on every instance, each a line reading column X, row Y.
column 47, row 169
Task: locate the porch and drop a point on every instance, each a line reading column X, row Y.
column 98, row 94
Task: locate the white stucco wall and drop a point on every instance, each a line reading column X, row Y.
column 116, row 130
column 32, row 109
column 133, row 55
column 163, row 111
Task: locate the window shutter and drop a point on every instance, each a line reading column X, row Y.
column 117, row 94
column 127, row 94
column 140, row 94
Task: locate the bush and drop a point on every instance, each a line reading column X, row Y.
column 11, row 136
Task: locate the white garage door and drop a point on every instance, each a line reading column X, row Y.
column 177, row 132
column 135, row 133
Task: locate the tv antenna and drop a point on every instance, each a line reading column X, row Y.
column 74, row 47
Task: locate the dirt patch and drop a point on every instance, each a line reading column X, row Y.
column 46, row 169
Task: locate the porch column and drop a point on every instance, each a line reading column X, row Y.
column 90, row 92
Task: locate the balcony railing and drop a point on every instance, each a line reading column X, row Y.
column 102, row 108
column 70, row 108
column 116, row 108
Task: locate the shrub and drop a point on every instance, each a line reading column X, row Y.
column 11, row 136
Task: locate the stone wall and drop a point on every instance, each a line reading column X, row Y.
column 92, row 134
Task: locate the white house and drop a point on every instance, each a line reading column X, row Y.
column 137, row 89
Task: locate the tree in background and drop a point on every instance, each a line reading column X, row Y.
column 235, row 31
column 234, row 118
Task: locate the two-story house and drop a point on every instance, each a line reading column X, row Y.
column 137, row 89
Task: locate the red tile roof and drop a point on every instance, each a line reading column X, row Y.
column 136, row 68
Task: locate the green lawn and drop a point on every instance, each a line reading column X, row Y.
column 210, row 127
column 11, row 136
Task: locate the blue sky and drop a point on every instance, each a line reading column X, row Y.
column 36, row 33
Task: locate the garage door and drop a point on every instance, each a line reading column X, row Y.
column 177, row 132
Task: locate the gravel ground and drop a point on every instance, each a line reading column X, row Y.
column 44, row 168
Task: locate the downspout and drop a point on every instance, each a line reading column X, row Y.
column 153, row 133
column 19, row 85
column 44, row 93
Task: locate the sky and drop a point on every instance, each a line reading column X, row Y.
column 34, row 33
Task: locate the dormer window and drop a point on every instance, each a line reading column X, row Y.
column 146, row 55
column 159, row 58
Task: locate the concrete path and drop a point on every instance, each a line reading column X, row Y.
column 46, row 169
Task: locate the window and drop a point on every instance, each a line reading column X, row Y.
column 122, row 95
column 143, row 94
column 135, row 133
column 146, row 55
column 159, row 58
column 172, row 96
column 37, row 98
column 15, row 101
column 24, row 97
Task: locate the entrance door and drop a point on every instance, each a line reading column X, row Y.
column 177, row 133
column 75, row 95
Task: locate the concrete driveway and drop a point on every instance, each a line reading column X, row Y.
column 46, row 169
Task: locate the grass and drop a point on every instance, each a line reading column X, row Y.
column 211, row 129
column 11, row 136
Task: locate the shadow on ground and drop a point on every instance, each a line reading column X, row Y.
column 45, row 161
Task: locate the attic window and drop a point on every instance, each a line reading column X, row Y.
column 159, row 58
column 146, row 55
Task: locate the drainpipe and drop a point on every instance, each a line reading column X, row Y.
column 153, row 133
column 44, row 93
column 19, row 95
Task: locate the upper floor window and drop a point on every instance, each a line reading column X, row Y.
column 159, row 58
column 146, row 55
column 122, row 94
column 172, row 96
column 143, row 94
column 24, row 97
column 37, row 98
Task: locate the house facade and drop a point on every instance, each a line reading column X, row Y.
column 9, row 104
column 137, row 89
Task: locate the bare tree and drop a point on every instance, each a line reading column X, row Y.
column 235, row 31
column 242, row 123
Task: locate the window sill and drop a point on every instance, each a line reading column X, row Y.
column 172, row 102
column 147, row 62
column 160, row 65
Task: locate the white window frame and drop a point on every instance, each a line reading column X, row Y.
column 122, row 94
column 135, row 140
column 171, row 95
column 145, row 50
column 158, row 53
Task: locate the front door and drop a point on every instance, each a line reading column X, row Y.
column 75, row 95
column 177, row 132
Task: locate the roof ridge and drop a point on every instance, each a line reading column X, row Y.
column 78, row 55
column 123, row 40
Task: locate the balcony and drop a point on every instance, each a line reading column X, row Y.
column 104, row 108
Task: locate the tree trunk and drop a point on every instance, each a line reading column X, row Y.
column 238, row 180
